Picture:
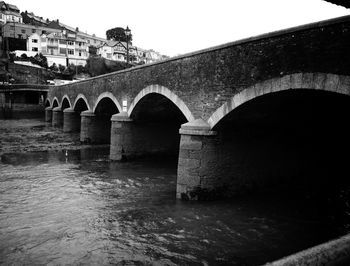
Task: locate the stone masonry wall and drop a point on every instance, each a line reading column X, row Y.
column 206, row 79
column 28, row 74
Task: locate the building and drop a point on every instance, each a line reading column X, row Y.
column 59, row 48
column 62, row 44
column 23, row 31
column 9, row 13
column 117, row 51
column 30, row 18
column 92, row 40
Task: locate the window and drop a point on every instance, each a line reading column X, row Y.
column 34, row 40
column 62, row 50
column 70, row 43
column 63, row 41
column 71, row 51
column 79, row 53
column 33, row 30
column 23, row 31
column 34, row 49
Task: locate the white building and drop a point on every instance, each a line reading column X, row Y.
column 59, row 48
column 117, row 51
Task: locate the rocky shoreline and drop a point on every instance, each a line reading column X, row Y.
column 34, row 135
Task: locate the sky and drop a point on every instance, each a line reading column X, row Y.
column 174, row 27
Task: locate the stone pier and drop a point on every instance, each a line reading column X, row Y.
column 197, row 166
column 57, row 117
column 95, row 129
column 121, row 136
column 132, row 138
column 71, row 120
column 48, row 114
column 88, row 127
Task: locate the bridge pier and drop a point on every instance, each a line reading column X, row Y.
column 87, row 127
column 94, row 128
column 48, row 114
column 134, row 138
column 57, row 117
column 121, row 136
column 198, row 166
column 71, row 120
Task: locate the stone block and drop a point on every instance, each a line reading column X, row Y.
column 308, row 81
column 190, row 143
column 319, row 81
column 331, row 82
column 183, row 153
column 296, row 80
column 344, row 85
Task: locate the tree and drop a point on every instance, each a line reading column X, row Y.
column 54, row 67
column 61, row 68
column 118, row 34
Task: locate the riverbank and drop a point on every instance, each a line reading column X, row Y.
column 31, row 135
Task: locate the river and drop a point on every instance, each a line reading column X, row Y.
column 66, row 204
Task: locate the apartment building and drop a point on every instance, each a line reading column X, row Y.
column 59, row 48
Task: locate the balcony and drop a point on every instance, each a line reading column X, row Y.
column 53, row 45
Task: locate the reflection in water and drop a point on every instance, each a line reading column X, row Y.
column 76, row 207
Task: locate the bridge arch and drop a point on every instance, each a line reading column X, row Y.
column 165, row 92
column 107, row 95
column 65, row 103
column 81, row 97
column 315, row 81
column 47, row 102
column 55, row 102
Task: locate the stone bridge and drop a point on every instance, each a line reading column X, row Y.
column 252, row 114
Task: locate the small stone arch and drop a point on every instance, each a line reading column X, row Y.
column 67, row 98
column 47, row 102
column 81, row 96
column 107, row 95
column 168, row 94
column 316, row 81
column 55, row 99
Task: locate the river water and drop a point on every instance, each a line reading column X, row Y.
column 66, row 204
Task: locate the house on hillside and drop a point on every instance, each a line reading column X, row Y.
column 9, row 13
column 32, row 19
column 117, row 51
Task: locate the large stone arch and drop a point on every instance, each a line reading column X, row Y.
column 107, row 95
column 316, row 81
column 168, row 94
column 81, row 96
column 66, row 97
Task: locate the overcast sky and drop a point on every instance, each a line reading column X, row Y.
column 175, row 27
